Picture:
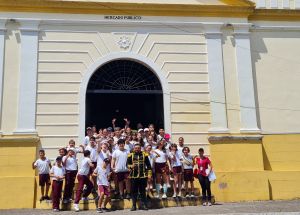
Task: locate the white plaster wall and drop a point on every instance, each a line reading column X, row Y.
column 11, row 79
column 275, row 56
column 65, row 53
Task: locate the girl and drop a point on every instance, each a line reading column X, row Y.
column 152, row 155
column 161, row 168
column 102, row 173
column 57, row 174
column 188, row 163
column 174, row 157
column 204, row 166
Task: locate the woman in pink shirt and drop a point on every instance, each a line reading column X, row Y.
column 204, row 167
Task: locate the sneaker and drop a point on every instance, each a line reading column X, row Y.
column 65, row 201
column 121, row 197
column 47, row 198
column 179, row 194
column 192, row 195
column 85, row 199
column 209, row 204
column 157, row 196
column 99, row 210
column 105, row 209
column 174, row 195
column 55, row 210
column 164, row 196
column 76, row 207
column 143, row 207
column 127, row 196
column 133, row 208
column 204, row 203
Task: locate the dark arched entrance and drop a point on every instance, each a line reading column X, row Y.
column 124, row 89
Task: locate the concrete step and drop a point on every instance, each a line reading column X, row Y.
column 153, row 203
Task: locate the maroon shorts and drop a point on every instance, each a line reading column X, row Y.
column 104, row 189
column 121, row 176
column 160, row 168
column 188, row 175
column 44, row 179
column 177, row 170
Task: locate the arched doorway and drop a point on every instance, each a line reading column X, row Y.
column 124, row 89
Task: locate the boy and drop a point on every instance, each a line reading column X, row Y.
column 57, row 174
column 103, row 174
column 44, row 165
column 118, row 165
column 83, row 179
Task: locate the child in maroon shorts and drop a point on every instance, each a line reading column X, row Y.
column 103, row 173
column 57, row 174
column 188, row 164
column 43, row 165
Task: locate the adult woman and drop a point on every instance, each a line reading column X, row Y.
column 161, row 168
column 204, row 167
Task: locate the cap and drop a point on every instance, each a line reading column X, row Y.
column 167, row 136
column 140, row 130
column 146, row 129
column 109, row 129
column 88, row 128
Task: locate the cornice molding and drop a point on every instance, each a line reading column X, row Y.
column 238, row 9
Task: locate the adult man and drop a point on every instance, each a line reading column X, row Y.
column 140, row 169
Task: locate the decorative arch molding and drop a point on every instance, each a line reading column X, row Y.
column 126, row 56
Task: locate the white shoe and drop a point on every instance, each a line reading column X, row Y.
column 174, row 195
column 55, row 210
column 156, row 196
column 187, row 195
column 192, row 196
column 65, row 201
column 179, row 194
column 209, row 204
column 204, row 204
column 76, row 207
column 164, row 196
column 85, row 199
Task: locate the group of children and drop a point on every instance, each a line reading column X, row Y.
column 105, row 163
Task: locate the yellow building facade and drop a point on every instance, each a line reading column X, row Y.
column 228, row 72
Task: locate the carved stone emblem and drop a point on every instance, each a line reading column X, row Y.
column 124, row 42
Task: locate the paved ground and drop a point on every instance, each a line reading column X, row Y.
column 264, row 208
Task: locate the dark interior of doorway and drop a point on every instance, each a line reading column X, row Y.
column 101, row 108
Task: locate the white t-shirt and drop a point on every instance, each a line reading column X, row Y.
column 76, row 150
column 94, row 153
column 101, row 156
column 71, row 163
column 162, row 156
column 129, row 147
column 43, row 165
column 121, row 160
column 86, row 141
column 152, row 157
column 102, row 175
column 187, row 161
column 57, row 171
column 85, row 166
column 175, row 162
column 179, row 149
